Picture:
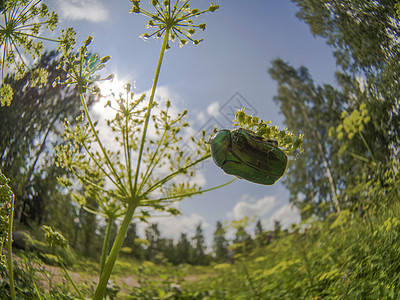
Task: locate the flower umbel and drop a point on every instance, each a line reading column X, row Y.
column 20, row 34
column 54, row 238
column 81, row 68
column 19, row 29
column 177, row 17
column 284, row 138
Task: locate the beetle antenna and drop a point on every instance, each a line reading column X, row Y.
column 214, row 131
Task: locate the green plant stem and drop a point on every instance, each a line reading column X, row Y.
column 119, row 185
column 105, row 244
column 172, row 175
column 105, row 275
column 37, row 291
column 150, row 105
column 39, row 37
column 127, row 151
column 366, row 145
column 9, row 254
column 191, row 194
column 71, row 281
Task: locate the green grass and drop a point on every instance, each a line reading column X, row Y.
column 345, row 256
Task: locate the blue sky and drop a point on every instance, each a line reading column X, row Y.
column 241, row 40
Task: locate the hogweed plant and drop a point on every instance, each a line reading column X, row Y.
column 144, row 169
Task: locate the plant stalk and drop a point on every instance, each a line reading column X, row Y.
column 71, row 280
column 105, row 244
column 118, row 183
column 9, row 254
column 105, row 275
column 151, row 100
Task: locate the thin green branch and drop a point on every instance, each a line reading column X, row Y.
column 4, row 58
column 162, row 12
column 105, row 244
column 9, row 250
column 172, row 175
column 127, row 151
column 181, row 8
column 71, row 281
column 120, row 185
column 105, row 275
column 150, row 105
column 27, row 7
column 152, row 164
column 27, row 26
column 366, row 145
column 98, row 164
column 190, row 194
column 19, row 54
column 84, row 179
column 37, row 291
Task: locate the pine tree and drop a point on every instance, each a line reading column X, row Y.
column 199, row 256
column 220, row 243
column 152, row 236
column 183, row 249
column 259, row 234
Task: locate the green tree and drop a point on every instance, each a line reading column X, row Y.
column 242, row 240
column 361, row 32
column 183, row 249
column 358, row 140
column 277, row 229
column 167, row 247
column 220, row 243
column 132, row 241
column 259, row 234
column 259, row 228
column 152, row 234
column 312, row 110
column 30, row 129
column 198, row 254
column 90, row 241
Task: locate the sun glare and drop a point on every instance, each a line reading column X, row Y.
column 114, row 86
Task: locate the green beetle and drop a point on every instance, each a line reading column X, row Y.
column 242, row 153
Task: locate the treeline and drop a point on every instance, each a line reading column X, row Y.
column 193, row 249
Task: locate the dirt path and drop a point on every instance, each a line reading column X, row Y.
column 51, row 275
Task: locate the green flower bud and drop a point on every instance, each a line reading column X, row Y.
column 240, row 116
column 213, row 7
column 105, row 59
column 88, row 41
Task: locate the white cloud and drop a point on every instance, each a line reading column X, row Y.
column 213, row 109
column 286, row 214
column 89, row 10
column 172, row 227
column 267, row 209
column 260, row 207
column 200, row 117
